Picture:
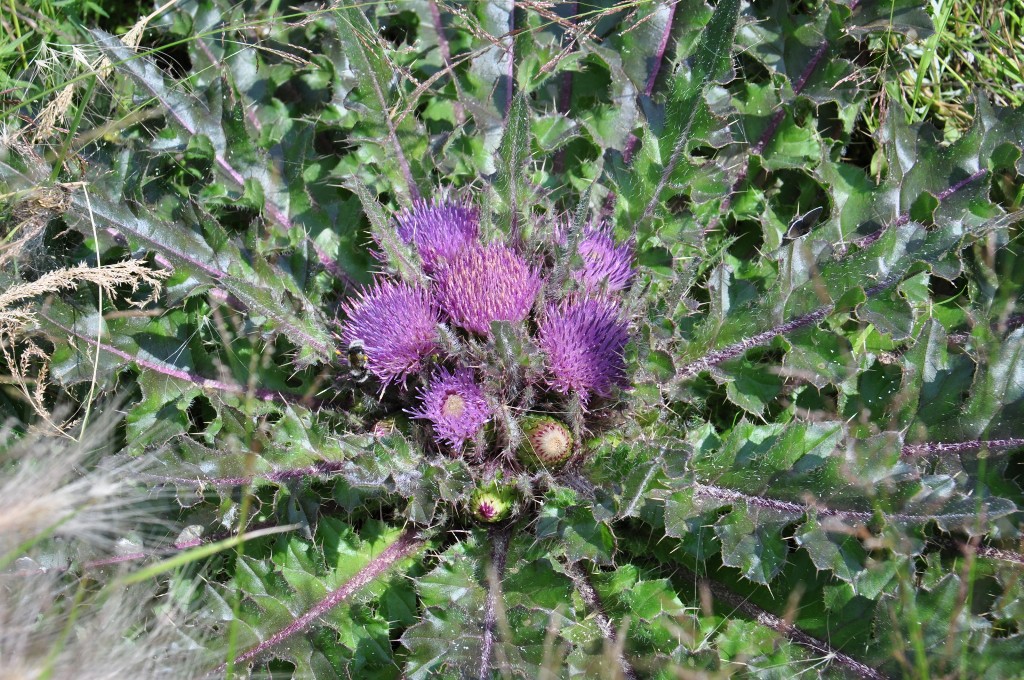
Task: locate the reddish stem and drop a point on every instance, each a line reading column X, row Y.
column 446, row 57
column 652, row 78
column 322, row 468
column 499, row 555
column 406, row 544
column 927, row 448
column 787, row 629
column 179, row 373
column 604, row 623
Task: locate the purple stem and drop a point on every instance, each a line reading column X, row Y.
column 769, row 132
column 999, row 554
column 783, row 627
column 630, row 148
column 564, row 102
column 406, row 544
column 403, row 162
column 499, row 556
column 272, row 210
column 446, row 57
column 190, row 127
column 250, row 111
column 928, row 448
column 715, row 357
column 773, row 124
column 331, row 266
column 510, row 85
column 659, row 58
column 904, row 217
column 971, row 548
column 788, row 507
column 179, row 373
column 180, row 545
column 604, row 623
column 322, row 468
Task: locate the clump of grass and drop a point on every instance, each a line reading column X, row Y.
column 976, row 46
column 60, row 500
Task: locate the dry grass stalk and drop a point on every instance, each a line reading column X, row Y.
column 132, row 273
column 30, row 217
column 45, row 122
column 56, row 110
column 21, row 353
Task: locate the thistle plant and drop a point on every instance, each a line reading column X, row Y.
column 657, row 339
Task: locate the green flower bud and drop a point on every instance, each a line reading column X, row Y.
column 492, row 502
column 546, row 442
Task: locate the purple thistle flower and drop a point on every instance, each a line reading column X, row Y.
column 584, row 340
column 455, row 405
column 482, row 284
column 396, row 326
column 439, row 229
column 606, row 266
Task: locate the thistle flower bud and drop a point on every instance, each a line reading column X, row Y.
column 395, row 325
column 439, row 229
column 482, row 284
column 584, row 340
column 546, row 442
column 492, row 502
column 455, row 406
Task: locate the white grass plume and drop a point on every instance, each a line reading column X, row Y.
column 53, row 627
column 57, row 505
column 50, row 488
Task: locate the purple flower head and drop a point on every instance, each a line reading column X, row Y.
column 396, row 326
column 583, row 341
column 439, row 229
column 606, row 266
column 482, row 284
column 455, row 405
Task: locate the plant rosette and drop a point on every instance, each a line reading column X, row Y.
column 546, row 443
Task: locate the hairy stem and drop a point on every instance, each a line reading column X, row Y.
column 630, row 147
column 172, row 371
column 652, row 78
column 446, row 57
column 773, row 125
column 510, row 86
column 788, row 507
column 986, row 551
column 604, row 623
column 320, row 469
column 331, row 265
column 904, row 217
column 928, row 448
column 715, row 357
column 564, row 101
column 499, row 554
column 783, row 627
column 406, row 544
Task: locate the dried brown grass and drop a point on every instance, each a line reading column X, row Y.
column 25, row 358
